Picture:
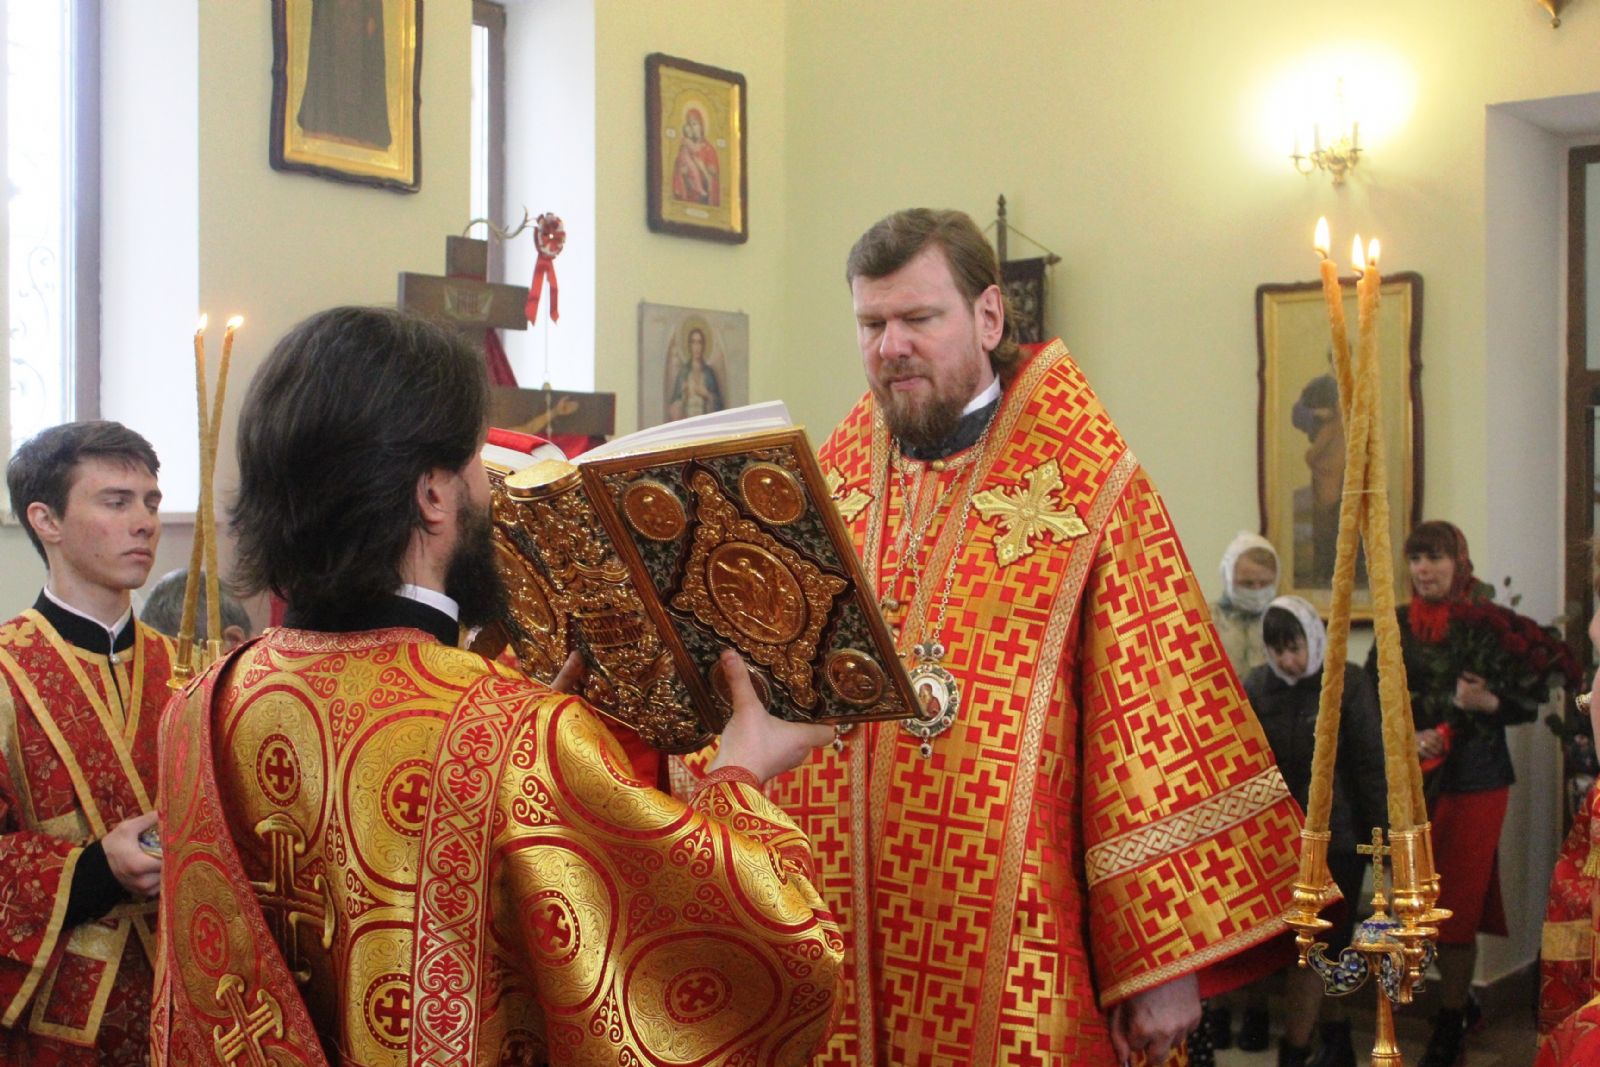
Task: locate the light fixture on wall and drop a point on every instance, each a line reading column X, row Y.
column 1335, row 147
column 1554, row 7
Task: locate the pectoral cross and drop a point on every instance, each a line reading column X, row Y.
column 1377, row 850
column 250, row 1025
column 1027, row 513
column 286, row 904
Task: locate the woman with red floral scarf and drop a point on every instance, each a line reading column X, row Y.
column 1460, row 723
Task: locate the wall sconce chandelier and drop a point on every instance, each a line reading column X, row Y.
column 1339, row 154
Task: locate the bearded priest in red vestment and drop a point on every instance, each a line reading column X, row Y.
column 1089, row 814
column 84, row 684
column 384, row 849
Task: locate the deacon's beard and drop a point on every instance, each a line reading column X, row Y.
column 471, row 579
column 925, row 424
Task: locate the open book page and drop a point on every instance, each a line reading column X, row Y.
column 751, row 418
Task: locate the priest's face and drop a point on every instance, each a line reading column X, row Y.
column 471, row 579
column 924, row 346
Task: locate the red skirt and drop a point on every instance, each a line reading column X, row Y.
column 1466, row 840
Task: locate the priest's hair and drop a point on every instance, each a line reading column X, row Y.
column 895, row 240
column 351, row 409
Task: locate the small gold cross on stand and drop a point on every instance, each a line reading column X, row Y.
column 1378, row 851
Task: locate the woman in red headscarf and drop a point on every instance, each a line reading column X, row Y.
column 1461, row 731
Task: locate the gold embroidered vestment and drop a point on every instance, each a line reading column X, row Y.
column 1103, row 816
column 459, row 868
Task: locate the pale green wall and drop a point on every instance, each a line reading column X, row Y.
column 1130, row 142
column 633, row 264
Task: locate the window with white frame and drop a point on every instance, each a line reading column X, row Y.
column 51, row 156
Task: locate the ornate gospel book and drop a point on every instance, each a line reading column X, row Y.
column 656, row 551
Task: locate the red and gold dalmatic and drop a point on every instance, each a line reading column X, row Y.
column 422, row 857
column 1103, row 816
column 72, row 766
column 1569, row 958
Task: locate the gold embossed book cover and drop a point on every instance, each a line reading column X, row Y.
column 652, row 554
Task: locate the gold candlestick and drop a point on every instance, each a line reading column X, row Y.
column 1395, row 950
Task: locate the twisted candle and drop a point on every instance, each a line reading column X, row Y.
column 209, row 448
column 191, row 583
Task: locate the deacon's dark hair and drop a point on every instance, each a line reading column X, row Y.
column 352, row 407
column 163, row 607
column 43, row 469
column 895, row 240
column 1280, row 629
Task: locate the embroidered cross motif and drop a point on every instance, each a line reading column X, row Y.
column 250, row 1025
column 1026, row 513
column 287, row 905
column 851, row 503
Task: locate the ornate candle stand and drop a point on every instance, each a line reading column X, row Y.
column 1396, row 944
column 1397, row 947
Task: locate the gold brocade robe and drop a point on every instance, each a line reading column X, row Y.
column 459, row 868
column 1103, row 816
column 72, row 766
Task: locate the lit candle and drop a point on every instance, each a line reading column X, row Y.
column 1333, row 297
column 191, row 584
column 213, row 575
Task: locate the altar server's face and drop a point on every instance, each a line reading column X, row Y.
column 924, row 346
column 108, row 532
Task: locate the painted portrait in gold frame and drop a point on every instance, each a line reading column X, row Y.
column 1300, row 443
column 695, row 130
column 346, row 82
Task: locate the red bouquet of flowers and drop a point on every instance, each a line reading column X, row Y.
column 1518, row 659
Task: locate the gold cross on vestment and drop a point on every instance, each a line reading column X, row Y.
column 849, row 505
column 1027, row 513
column 285, row 904
column 250, row 1025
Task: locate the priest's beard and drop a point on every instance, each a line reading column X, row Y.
column 471, row 579
column 925, row 423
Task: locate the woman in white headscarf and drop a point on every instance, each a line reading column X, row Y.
column 1285, row 692
column 1249, row 582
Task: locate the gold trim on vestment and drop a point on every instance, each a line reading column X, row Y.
column 1195, row 961
column 69, row 760
column 1178, row 831
column 1063, row 610
column 102, row 709
column 1566, row 941
column 47, row 944
column 92, row 941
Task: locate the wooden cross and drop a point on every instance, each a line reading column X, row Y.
column 465, row 299
column 250, row 1025
column 287, row 904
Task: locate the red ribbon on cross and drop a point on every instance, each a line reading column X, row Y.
column 549, row 237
